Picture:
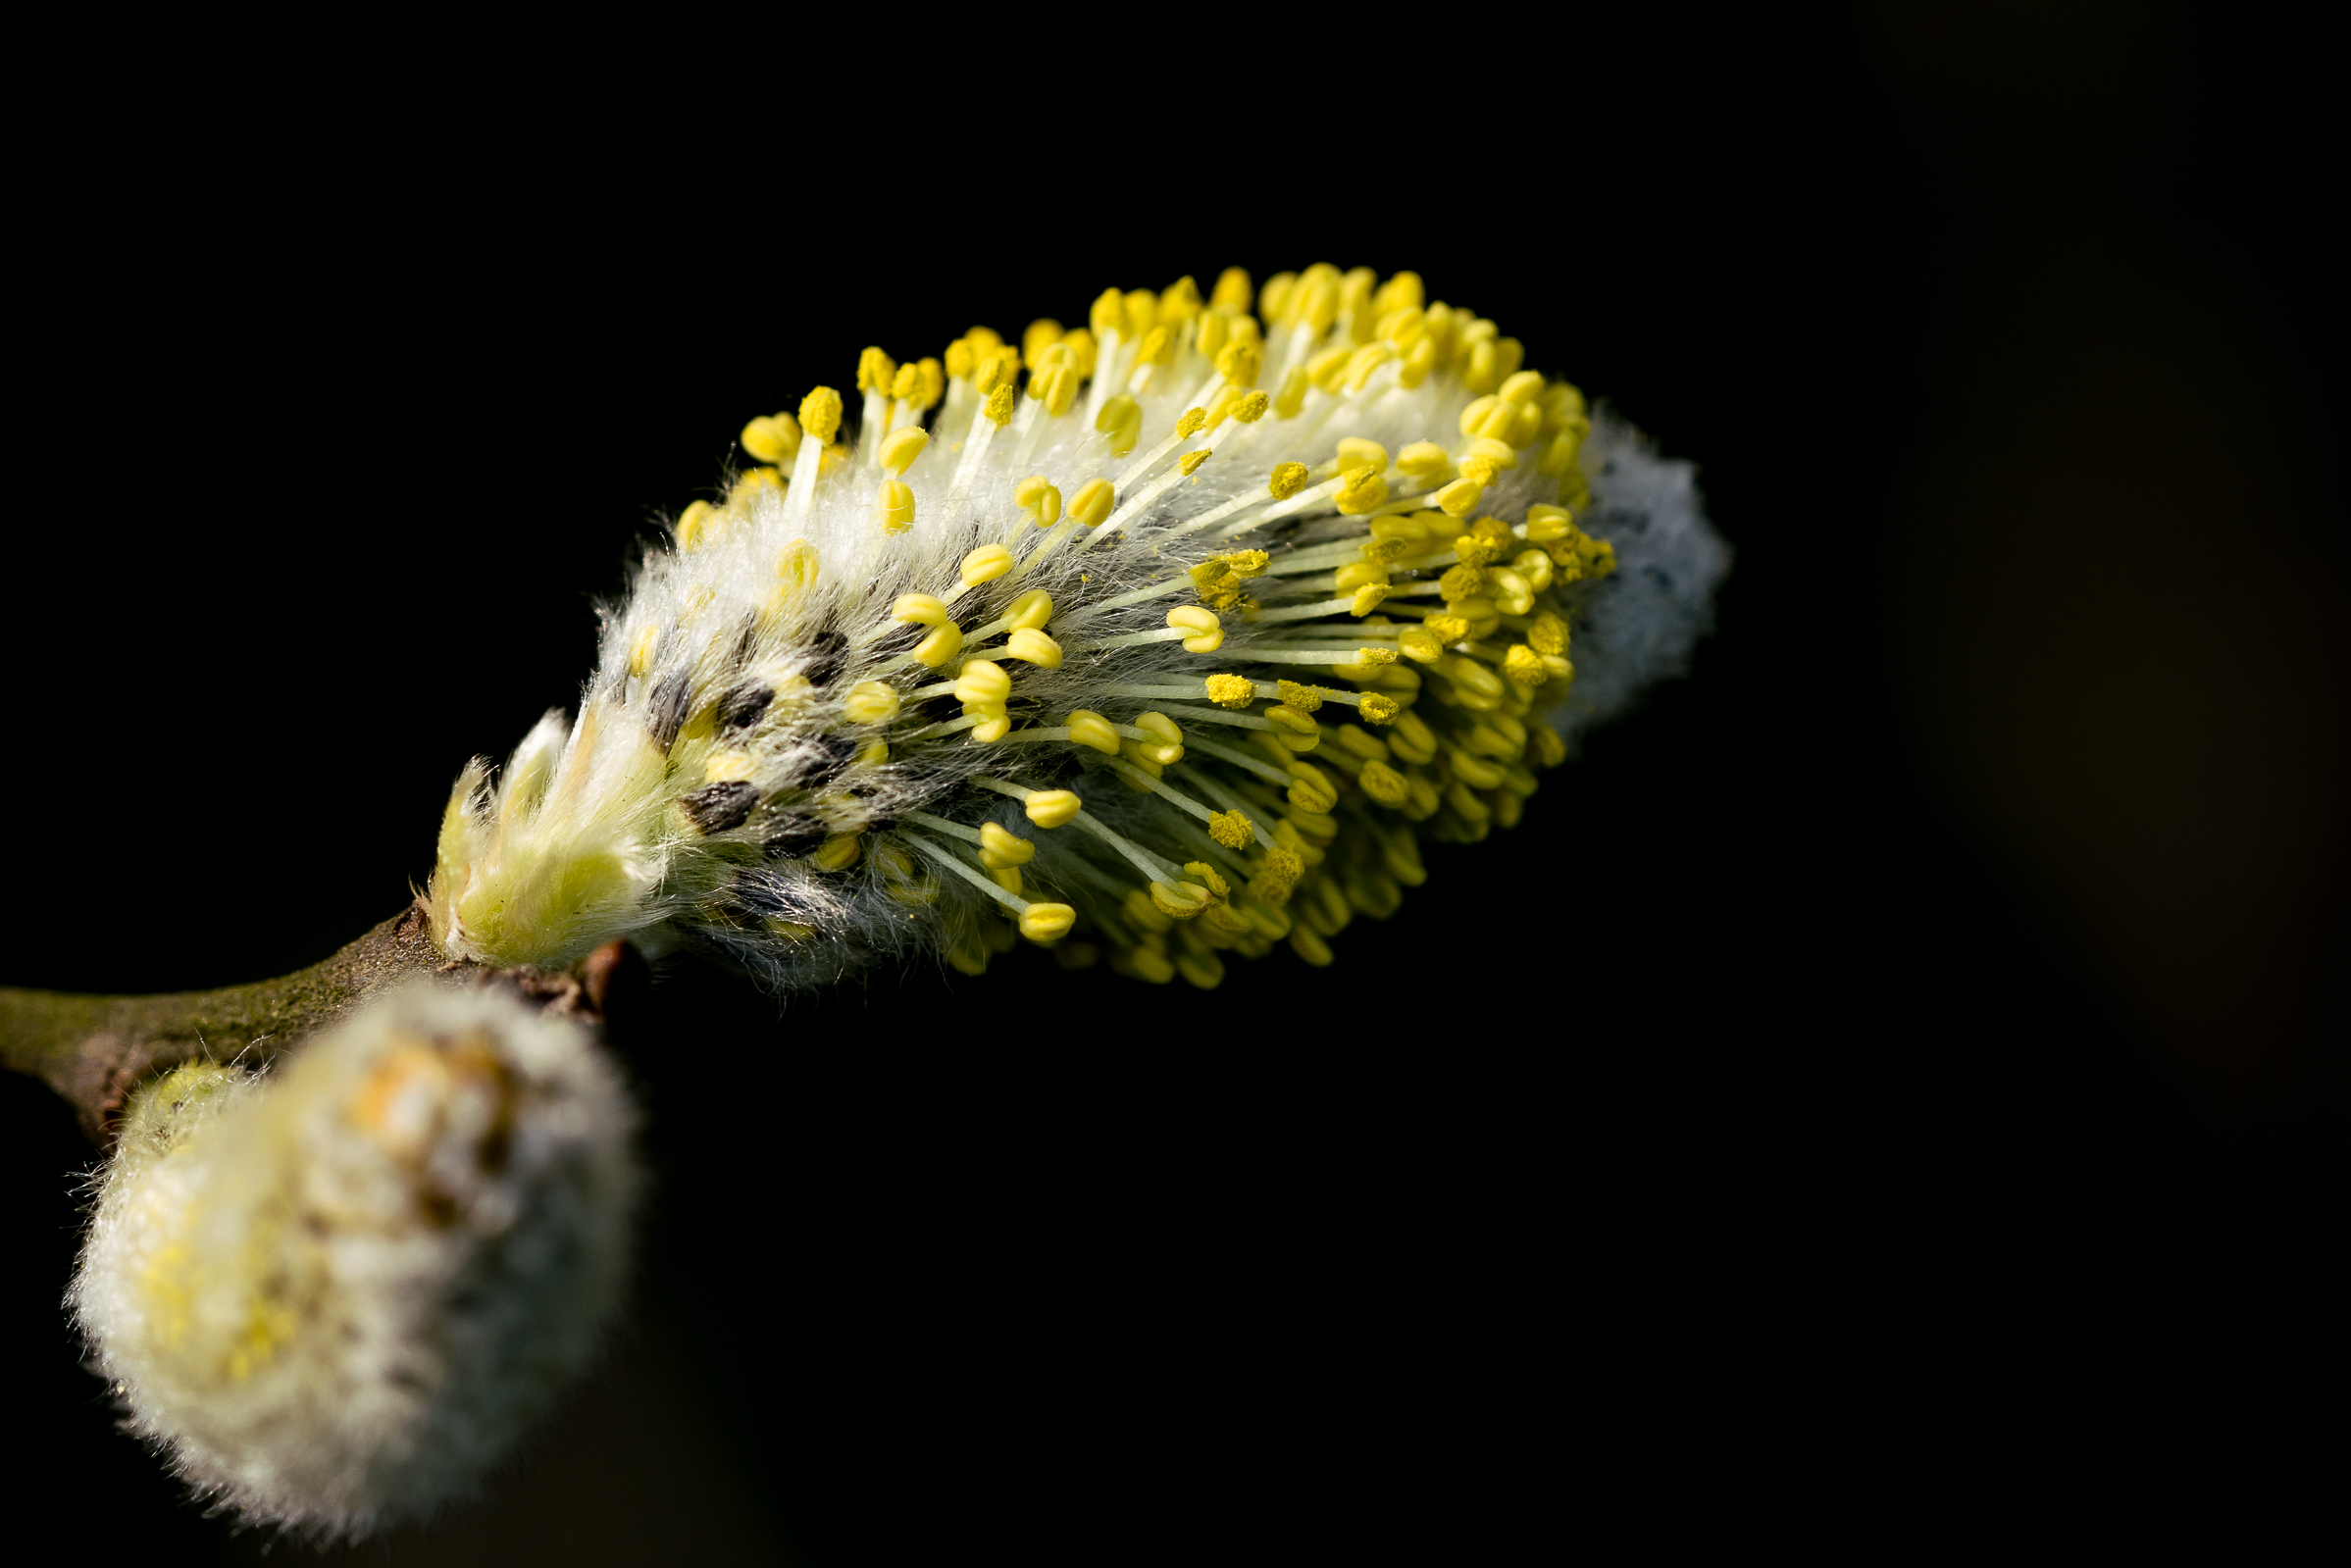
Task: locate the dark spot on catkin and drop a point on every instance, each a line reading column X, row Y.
column 741, row 708
column 825, row 657
column 715, row 808
column 665, row 710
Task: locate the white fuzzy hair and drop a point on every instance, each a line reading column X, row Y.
column 335, row 1294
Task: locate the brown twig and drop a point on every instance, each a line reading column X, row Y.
column 93, row 1051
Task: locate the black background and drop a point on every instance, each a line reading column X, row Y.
column 1935, row 989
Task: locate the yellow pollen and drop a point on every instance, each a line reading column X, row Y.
column 820, row 413
column 875, row 372
column 1229, row 691
column 1231, row 293
column 1237, row 363
column 1190, row 462
column 1304, row 698
column 906, row 384
column 1377, row 709
column 1288, row 479
column 1231, row 828
column 1251, row 409
column 1362, row 491
column 772, row 438
column 1000, row 403
column 1191, row 422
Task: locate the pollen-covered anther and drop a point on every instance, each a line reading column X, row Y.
column 1363, row 490
column 901, row 446
column 1377, row 709
column 1288, row 479
column 986, row 564
column 820, row 414
column 1208, row 630
column 1304, row 698
column 1524, row 666
column 1189, row 464
column 1231, row 691
column 1232, row 830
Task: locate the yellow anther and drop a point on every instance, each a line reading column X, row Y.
column 1474, row 549
column 929, row 382
column 1190, row 422
column 1304, row 698
column 1535, row 567
column 1144, row 915
column 1143, row 308
column 870, row 702
column 1090, row 728
column 1206, row 874
column 1041, row 335
column 1158, row 347
column 1030, row 612
column 1091, row 506
column 1035, row 647
column 1051, row 808
column 1524, row 666
column 1180, row 901
column 1006, row 877
column 991, row 368
column 1496, row 452
column 1403, row 326
column 1207, row 631
column 1245, row 563
column 1292, row 394
column 1545, row 524
column 920, row 609
column 999, row 848
column 1383, row 784
column 982, row 681
column 1055, row 386
column 1418, row 360
column 986, row 564
column 1212, row 332
column 1407, row 529
column 820, row 413
column 1421, row 645
column 1222, row 403
column 906, row 384
column 837, row 854
column 1140, row 756
column 1117, row 410
column 1508, row 354
column 1460, row 582
column 640, row 653
column 1475, row 414
column 1237, row 363
column 1083, row 352
column 1356, row 452
column 1548, row 633
column 1361, row 491
column 1109, row 313
column 1375, row 656
column 1545, row 743
column 993, row 726
column 1274, row 299
column 1377, row 709
column 1326, row 368
column 1231, row 292
column 1363, row 362
column 1294, row 720
column 999, row 404
column 1512, row 593
column 893, row 506
column 1231, row 828
column 1524, row 387
column 901, row 446
column 1288, row 479
column 1179, row 302
column 772, row 438
column 1368, row 598
column 1399, row 292
column 875, row 372
column 1160, row 727
column 1356, row 574
column 1046, row 923
column 1190, row 462
column 1248, row 409
column 1310, row 788
column 1460, row 499
column 960, row 361
column 944, row 643
column 1559, row 457
column 1230, row 691
column 693, row 523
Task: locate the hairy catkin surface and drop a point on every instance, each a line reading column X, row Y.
column 1270, row 641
